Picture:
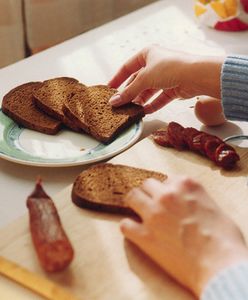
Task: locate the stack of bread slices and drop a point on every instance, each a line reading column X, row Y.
column 48, row 106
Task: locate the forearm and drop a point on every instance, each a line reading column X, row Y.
column 234, row 87
column 204, row 75
column 212, row 263
column 229, row 284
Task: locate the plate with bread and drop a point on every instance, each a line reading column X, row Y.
column 61, row 122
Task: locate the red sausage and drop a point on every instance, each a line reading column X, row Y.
column 197, row 142
column 52, row 246
column 210, row 147
column 175, row 135
column 188, row 134
column 161, row 138
column 226, row 156
column 206, row 144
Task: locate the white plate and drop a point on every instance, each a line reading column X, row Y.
column 66, row 148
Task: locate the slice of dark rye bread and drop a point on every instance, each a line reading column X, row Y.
column 51, row 96
column 90, row 110
column 18, row 105
column 103, row 187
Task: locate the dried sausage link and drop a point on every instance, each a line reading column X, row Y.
column 51, row 243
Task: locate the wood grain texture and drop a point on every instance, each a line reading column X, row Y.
column 105, row 265
column 34, row 282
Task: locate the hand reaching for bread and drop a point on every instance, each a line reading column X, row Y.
column 183, row 230
column 173, row 74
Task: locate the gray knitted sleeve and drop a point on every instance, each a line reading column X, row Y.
column 234, row 87
column 229, row 284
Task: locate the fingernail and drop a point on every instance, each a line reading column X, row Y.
column 139, row 101
column 115, row 99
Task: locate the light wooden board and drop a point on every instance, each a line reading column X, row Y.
column 105, row 265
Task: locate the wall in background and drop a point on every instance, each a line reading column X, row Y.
column 12, row 39
column 29, row 26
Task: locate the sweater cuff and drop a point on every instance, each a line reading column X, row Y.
column 229, row 284
column 234, row 82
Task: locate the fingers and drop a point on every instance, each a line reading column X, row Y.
column 188, row 184
column 138, row 200
column 130, row 92
column 152, row 187
column 133, row 231
column 132, row 77
column 183, row 183
column 183, row 186
column 144, row 96
column 131, row 66
column 190, row 193
column 164, row 98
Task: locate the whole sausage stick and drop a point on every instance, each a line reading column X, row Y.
column 51, row 243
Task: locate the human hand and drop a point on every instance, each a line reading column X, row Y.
column 175, row 74
column 183, row 230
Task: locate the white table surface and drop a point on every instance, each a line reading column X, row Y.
column 93, row 58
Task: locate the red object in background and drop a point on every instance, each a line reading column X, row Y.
column 245, row 5
column 232, row 25
column 235, row 24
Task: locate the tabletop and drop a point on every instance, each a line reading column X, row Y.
column 93, row 58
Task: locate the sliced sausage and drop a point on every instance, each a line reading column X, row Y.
column 188, row 136
column 226, row 156
column 206, row 144
column 161, row 138
column 175, row 135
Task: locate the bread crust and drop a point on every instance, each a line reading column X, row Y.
column 84, row 203
column 47, row 103
column 90, row 110
column 103, row 187
column 21, row 98
column 65, row 100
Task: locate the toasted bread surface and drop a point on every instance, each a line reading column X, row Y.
column 103, row 187
column 51, row 96
column 90, row 110
column 18, row 105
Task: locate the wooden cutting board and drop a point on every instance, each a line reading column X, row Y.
column 105, row 265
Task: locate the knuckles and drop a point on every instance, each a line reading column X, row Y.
column 189, row 183
column 148, row 182
column 167, row 197
column 155, row 215
column 190, row 187
column 131, row 195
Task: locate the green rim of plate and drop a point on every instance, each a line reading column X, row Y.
column 10, row 148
